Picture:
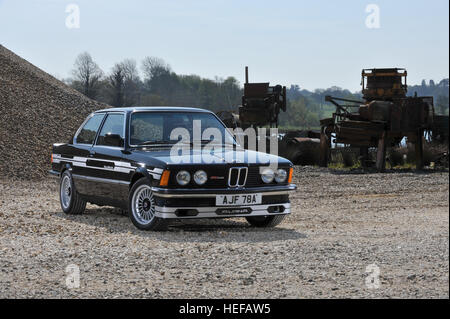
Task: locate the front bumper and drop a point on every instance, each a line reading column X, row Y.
column 190, row 203
column 222, row 212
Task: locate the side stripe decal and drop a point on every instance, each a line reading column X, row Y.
column 119, row 166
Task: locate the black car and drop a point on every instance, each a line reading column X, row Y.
column 132, row 158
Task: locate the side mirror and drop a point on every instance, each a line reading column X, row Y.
column 113, row 140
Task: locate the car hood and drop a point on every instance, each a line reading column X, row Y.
column 205, row 157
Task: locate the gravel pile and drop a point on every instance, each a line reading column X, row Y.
column 36, row 110
column 341, row 223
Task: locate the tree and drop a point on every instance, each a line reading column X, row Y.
column 124, row 84
column 232, row 91
column 87, row 75
column 154, row 67
column 130, row 69
column 132, row 83
column 116, row 82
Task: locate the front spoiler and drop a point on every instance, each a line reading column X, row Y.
column 212, row 192
column 212, row 212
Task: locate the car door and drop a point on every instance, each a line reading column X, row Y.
column 81, row 148
column 109, row 173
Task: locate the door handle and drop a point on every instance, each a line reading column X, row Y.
column 91, row 153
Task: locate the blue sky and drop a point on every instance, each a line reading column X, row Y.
column 314, row 44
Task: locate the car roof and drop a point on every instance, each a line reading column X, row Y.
column 155, row 109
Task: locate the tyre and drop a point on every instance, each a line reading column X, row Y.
column 265, row 221
column 141, row 207
column 70, row 200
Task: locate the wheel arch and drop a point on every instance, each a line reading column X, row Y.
column 64, row 168
column 138, row 174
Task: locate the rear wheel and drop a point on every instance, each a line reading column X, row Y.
column 70, row 200
column 141, row 207
column 265, row 221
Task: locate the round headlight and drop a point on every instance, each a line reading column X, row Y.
column 183, row 178
column 280, row 175
column 267, row 175
column 200, row 177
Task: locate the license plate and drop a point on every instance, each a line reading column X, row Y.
column 238, row 199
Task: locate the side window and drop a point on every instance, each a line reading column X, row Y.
column 89, row 130
column 111, row 133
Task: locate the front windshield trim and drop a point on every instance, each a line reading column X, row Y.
column 164, row 143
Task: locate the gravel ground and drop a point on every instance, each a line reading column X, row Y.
column 341, row 222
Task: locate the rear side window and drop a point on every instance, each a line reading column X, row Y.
column 89, row 130
column 113, row 125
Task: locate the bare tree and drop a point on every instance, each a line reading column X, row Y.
column 124, row 83
column 154, row 67
column 87, row 75
column 116, row 82
column 130, row 69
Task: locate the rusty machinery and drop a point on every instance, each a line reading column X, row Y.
column 261, row 106
column 384, row 118
column 439, row 133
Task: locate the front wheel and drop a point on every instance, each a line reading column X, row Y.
column 71, row 203
column 265, row 221
column 141, row 207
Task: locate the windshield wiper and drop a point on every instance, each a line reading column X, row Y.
column 156, row 143
column 203, row 142
column 217, row 142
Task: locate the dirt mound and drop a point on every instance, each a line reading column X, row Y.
column 36, row 110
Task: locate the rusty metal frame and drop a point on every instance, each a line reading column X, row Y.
column 408, row 116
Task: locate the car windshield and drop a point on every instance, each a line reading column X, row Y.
column 154, row 128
